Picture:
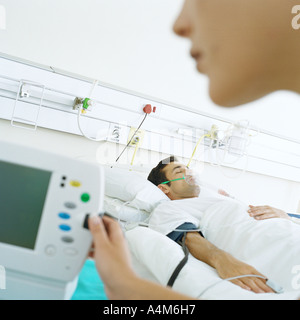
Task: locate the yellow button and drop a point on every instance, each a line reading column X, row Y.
column 75, row 183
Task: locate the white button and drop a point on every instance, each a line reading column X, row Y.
column 50, row 250
column 71, row 251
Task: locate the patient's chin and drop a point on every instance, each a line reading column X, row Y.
column 196, row 191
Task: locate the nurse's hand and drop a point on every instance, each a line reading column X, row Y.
column 111, row 254
column 112, row 259
column 266, row 212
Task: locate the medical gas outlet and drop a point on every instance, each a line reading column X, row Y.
column 136, row 137
column 82, row 103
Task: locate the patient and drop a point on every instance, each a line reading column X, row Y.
column 168, row 176
column 179, row 189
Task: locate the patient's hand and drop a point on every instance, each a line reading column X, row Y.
column 228, row 267
column 267, row 212
column 223, row 193
column 225, row 264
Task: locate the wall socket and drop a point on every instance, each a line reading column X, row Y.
column 117, row 133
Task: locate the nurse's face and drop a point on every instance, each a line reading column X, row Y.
column 240, row 45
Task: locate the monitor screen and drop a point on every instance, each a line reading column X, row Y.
column 23, row 192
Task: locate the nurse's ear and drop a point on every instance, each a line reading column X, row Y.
column 164, row 188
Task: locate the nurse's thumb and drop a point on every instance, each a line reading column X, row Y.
column 97, row 229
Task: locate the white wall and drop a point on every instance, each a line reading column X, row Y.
column 130, row 44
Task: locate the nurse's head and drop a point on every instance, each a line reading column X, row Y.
column 169, row 175
column 247, row 48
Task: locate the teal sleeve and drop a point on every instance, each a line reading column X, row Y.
column 90, row 286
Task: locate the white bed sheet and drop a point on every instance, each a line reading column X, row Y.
column 271, row 246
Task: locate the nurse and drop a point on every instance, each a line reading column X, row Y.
column 247, row 49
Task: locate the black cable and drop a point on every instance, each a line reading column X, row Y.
column 180, row 265
column 132, row 137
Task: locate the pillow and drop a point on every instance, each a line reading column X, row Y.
column 132, row 187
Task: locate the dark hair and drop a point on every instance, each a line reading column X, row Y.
column 157, row 174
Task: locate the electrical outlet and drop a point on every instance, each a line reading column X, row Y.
column 138, row 136
column 117, row 133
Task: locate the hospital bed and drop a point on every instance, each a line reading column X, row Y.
column 132, row 199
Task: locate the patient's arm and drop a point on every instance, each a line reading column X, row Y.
column 225, row 264
column 113, row 263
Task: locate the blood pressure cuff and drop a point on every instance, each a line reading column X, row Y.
column 177, row 235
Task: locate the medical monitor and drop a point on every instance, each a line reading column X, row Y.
column 44, row 198
column 20, row 218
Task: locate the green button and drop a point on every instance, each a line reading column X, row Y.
column 85, row 197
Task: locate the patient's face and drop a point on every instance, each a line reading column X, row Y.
column 178, row 189
column 242, row 46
